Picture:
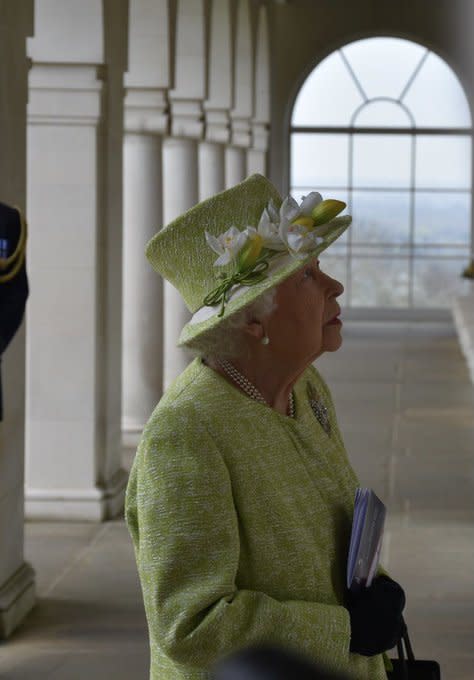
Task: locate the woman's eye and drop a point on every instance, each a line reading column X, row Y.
column 308, row 272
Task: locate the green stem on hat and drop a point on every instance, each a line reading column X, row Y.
column 244, row 278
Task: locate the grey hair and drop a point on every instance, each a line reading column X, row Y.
column 227, row 340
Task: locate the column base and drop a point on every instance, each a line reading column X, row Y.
column 89, row 505
column 17, row 598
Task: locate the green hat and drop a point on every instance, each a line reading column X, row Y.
column 260, row 240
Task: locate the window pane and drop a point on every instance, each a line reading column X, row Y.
column 328, row 96
column 383, row 65
column 436, row 97
column 319, row 160
column 436, row 282
column 382, row 114
column 380, row 251
column 381, row 216
column 437, row 251
column 379, row 282
column 335, row 266
column 442, row 217
column 382, row 161
column 443, row 162
column 340, row 246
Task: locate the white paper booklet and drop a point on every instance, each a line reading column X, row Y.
column 366, row 539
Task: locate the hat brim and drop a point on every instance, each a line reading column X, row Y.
column 194, row 330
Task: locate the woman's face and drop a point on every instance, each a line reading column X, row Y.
column 298, row 329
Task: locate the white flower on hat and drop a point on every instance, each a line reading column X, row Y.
column 269, row 227
column 296, row 224
column 296, row 229
column 226, row 245
column 268, row 230
column 309, row 202
column 299, row 239
column 303, row 227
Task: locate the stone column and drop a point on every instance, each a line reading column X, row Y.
column 211, row 169
column 257, row 154
column 142, row 290
column 146, row 121
column 256, row 161
column 180, row 156
column 218, row 102
column 235, row 166
column 180, row 192
column 142, row 363
column 17, row 587
column 242, row 109
column 74, row 319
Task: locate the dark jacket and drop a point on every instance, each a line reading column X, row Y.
column 13, row 293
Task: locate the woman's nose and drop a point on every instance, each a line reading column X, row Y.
column 335, row 285
column 338, row 287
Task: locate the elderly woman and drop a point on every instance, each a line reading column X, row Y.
column 241, row 495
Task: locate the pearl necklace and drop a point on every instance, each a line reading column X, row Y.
column 247, row 386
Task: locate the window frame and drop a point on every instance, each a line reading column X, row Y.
column 414, row 248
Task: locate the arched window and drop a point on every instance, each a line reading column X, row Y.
column 384, row 124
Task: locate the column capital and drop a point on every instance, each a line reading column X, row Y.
column 260, row 135
column 217, row 123
column 240, row 130
column 61, row 93
column 186, row 117
column 146, row 110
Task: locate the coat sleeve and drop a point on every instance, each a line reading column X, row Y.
column 187, row 553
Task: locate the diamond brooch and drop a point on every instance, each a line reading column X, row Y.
column 318, row 408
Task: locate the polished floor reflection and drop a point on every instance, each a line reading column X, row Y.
column 406, row 408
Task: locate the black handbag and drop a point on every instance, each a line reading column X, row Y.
column 406, row 667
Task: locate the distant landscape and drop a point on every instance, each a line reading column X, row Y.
column 380, row 276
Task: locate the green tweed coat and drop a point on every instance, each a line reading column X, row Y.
column 240, row 519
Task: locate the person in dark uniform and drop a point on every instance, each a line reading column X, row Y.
column 13, row 279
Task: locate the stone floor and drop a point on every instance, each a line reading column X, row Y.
column 406, row 408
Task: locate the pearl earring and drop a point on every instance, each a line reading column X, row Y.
column 265, row 340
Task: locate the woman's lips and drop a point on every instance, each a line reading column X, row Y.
column 334, row 321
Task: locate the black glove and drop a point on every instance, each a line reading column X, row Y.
column 376, row 616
